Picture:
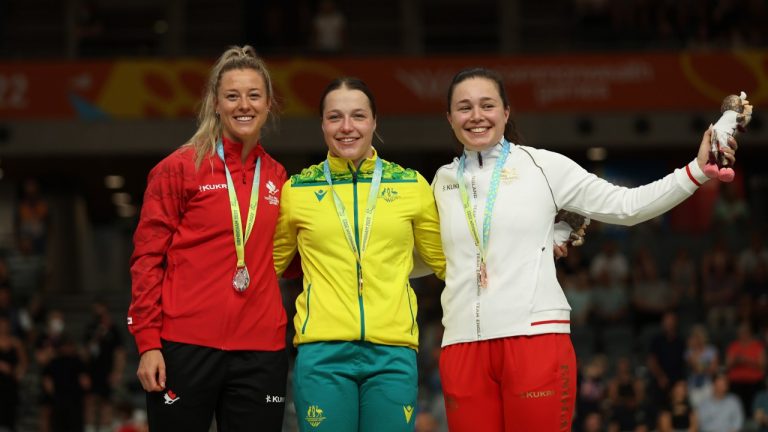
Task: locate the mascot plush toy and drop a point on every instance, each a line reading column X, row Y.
column 737, row 112
column 570, row 228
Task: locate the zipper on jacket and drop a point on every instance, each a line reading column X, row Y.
column 410, row 308
column 480, row 159
column 357, row 242
column 306, row 319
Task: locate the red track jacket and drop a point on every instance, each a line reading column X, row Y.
column 184, row 256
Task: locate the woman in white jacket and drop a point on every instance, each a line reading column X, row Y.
column 507, row 362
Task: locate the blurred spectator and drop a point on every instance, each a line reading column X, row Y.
column 755, row 295
column 580, row 297
column 755, row 15
column 651, row 295
column 46, row 346
column 329, row 25
column 27, row 271
column 683, row 278
column 646, row 412
column 106, row 362
column 703, row 363
column 130, row 419
column 760, row 410
column 593, row 21
column 666, row 358
column 719, row 289
column 32, row 216
column 745, row 361
column 65, row 380
column 89, row 28
column 272, row 35
column 4, row 274
column 14, row 315
column 752, row 271
column 593, row 422
column 612, row 261
column 678, row 414
column 722, row 411
column 752, row 256
column 272, row 17
column 610, row 299
column 622, row 401
column 34, row 318
column 592, row 387
column 730, row 210
column 13, row 366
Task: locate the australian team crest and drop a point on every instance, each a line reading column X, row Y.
column 315, row 415
column 389, row 194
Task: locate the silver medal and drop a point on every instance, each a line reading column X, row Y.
column 241, row 280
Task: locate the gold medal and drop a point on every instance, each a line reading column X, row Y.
column 241, row 280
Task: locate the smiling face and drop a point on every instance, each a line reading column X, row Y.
column 242, row 102
column 348, row 124
column 477, row 113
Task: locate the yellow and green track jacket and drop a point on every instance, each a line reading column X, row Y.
column 331, row 308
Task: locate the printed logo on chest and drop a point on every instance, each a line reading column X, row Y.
column 450, row 187
column 210, row 187
column 389, row 194
column 508, row 175
column 271, row 196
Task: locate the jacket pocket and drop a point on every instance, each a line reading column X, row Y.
column 548, row 294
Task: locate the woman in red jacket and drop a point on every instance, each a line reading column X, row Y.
column 206, row 310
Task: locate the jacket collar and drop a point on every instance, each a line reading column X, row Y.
column 338, row 164
column 232, row 150
column 489, row 155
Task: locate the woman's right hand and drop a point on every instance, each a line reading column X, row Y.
column 151, row 370
column 703, row 155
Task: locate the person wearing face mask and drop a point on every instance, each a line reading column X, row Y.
column 206, row 310
column 105, row 361
column 355, row 219
column 46, row 344
column 507, row 362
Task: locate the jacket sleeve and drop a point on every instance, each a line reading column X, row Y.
column 426, row 230
column 160, row 215
column 579, row 191
column 285, row 242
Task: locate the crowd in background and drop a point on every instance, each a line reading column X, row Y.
column 666, row 341
column 659, row 337
column 63, row 376
column 94, row 28
column 671, row 24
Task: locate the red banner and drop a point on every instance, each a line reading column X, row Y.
column 402, row 85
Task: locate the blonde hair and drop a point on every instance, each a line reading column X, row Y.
column 208, row 122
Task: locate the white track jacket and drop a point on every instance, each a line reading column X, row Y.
column 523, row 296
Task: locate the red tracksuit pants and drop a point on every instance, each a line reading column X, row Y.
column 512, row 384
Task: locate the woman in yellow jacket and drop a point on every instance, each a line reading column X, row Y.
column 355, row 220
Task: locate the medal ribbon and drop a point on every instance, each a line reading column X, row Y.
column 482, row 243
column 370, row 208
column 237, row 224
